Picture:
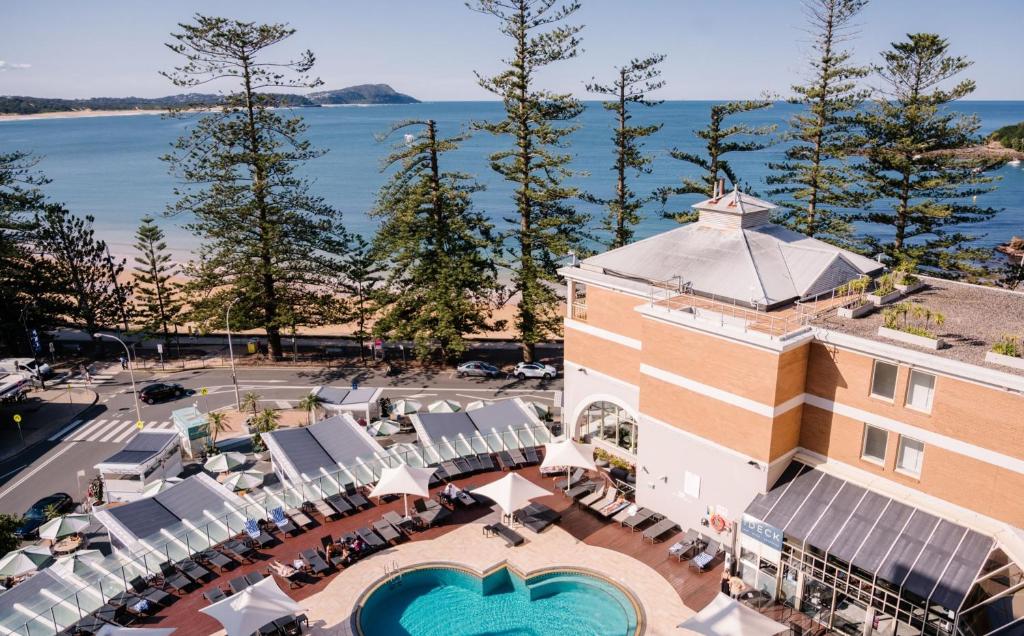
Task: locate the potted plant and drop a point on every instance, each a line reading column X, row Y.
column 858, row 305
column 885, row 290
column 911, row 323
column 1008, row 351
column 904, row 278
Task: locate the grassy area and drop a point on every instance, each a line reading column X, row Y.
column 1010, row 136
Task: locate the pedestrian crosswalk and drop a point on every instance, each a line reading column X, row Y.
column 78, row 381
column 104, row 430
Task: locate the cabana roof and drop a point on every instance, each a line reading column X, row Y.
column 141, row 448
column 346, row 397
column 335, row 442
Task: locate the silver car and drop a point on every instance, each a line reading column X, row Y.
column 478, row 369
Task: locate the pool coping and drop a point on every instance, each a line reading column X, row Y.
column 631, row 596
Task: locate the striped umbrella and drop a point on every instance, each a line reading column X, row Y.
column 444, row 406
column 158, row 486
column 25, row 560
column 224, row 462
column 63, row 526
column 381, row 428
column 81, row 563
column 245, row 480
column 405, row 407
column 478, row 404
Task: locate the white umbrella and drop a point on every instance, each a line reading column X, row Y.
column 381, row 428
column 245, row 480
column 25, row 560
column 570, row 454
column 63, row 526
column 511, row 492
column 444, row 406
column 478, row 404
column 539, row 408
column 116, row 630
column 404, row 480
column 224, row 462
column 244, row 613
column 158, row 486
column 81, row 563
column 405, row 407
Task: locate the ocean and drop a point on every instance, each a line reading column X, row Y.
column 109, row 167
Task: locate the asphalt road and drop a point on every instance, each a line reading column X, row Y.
column 76, row 446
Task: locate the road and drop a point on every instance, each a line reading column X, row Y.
column 77, row 446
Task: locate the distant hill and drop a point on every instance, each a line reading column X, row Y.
column 363, row 94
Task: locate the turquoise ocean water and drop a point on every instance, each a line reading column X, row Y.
column 109, row 166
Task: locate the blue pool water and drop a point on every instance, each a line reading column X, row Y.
column 450, row 602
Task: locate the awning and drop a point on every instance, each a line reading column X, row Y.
column 933, row 558
column 725, row 616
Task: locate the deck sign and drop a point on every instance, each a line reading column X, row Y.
column 762, row 532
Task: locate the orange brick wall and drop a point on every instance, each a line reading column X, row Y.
column 613, row 311
column 604, row 356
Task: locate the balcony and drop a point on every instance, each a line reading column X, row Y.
column 579, row 311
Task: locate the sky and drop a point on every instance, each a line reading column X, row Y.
column 720, row 49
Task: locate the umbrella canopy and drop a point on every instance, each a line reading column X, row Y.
column 63, row 526
column 81, row 563
column 224, row 462
column 25, row 560
column 724, row 615
column 539, row 408
column 245, row 480
column 117, row 630
column 244, row 613
column 405, row 407
column 478, row 404
column 569, row 453
column 511, row 492
column 158, row 486
column 403, row 480
column 381, row 428
column 444, row 406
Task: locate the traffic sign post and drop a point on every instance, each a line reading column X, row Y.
column 160, row 350
column 206, row 401
column 17, row 420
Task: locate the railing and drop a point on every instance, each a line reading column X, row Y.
column 579, row 311
column 55, row 609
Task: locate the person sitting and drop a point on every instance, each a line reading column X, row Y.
column 358, row 544
column 347, row 557
column 282, row 569
column 450, row 493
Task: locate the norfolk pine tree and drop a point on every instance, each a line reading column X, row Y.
column 546, row 227
column 910, row 163
column 263, row 236
column 157, row 296
column 720, row 140
column 362, row 276
column 634, row 81
column 442, row 280
column 814, row 183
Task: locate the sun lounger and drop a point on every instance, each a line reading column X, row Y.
column 174, row 579
column 660, row 529
column 283, row 523
column 451, row 470
column 583, row 488
column 397, row 520
column 152, row 594
column 326, row 511
column 88, row 625
column 215, row 559
column 253, row 578
column 517, row 457
column 214, row 594
column 386, row 531
column 486, row 461
column 339, row 503
column 702, row 562
column 474, row 465
column 641, row 517
column 511, row 537
column 575, row 478
column 355, row 497
column 612, row 507
column 538, row 517
column 430, row 513
column 685, row 546
column 314, row 562
column 256, row 534
column 596, row 497
column 463, row 465
column 371, row 538
column 531, row 455
column 300, row 518
column 238, row 549
column 238, row 584
column 192, row 570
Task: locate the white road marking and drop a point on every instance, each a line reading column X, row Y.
column 35, row 470
column 422, row 395
column 113, row 431
column 59, row 434
column 283, row 404
column 88, row 429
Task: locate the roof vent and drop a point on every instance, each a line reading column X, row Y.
column 735, row 210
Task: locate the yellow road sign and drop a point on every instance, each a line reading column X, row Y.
column 203, row 391
column 17, row 418
column 139, row 425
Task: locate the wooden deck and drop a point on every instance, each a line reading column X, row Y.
column 695, row 590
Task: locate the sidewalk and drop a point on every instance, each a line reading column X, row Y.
column 43, row 414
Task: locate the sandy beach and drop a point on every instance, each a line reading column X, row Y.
column 74, row 114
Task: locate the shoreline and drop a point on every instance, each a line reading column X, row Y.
column 79, row 114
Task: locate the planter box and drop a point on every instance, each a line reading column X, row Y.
column 910, row 289
column 909, row 338
column 884, row 300
column 855, row 312
column 1006, row 361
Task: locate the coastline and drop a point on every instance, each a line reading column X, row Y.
column 76, row 114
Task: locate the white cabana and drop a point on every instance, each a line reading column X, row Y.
column 511, row 492
column 725, row 616
column 81, row 563
column 224, row 462
column 245, row 480
column 569, row 453
column 117, row 630
column 405, row 407
column 63, row 526
column 444, row 406
column 25, row 560
column 404, row 480
column 244, row 613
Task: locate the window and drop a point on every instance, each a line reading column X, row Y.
column 920, row 390
column 608, row 422
column 883, row 380
column 910, row 456
column 875, row 441
column 579, row 301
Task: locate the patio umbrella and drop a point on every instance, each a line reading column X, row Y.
column 381, row 428
column 244, row 613
column 25, row 560
column 224, row 462
column 404, row 480
column 511, row 492
column 245, row 480
column 405, row 407
column 63, row 526
column 569, row 453
column 539, row 408
column 158, row 486
column 444, row 406
column 117, row 630
column 81, row 563
column 478, row 404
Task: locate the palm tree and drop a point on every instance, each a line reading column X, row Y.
column 309, row 404
column 251, row 400
column 218, row 423
column 267, row 420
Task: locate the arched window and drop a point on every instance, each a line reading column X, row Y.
column 608, row 422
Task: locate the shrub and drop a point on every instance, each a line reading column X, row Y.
column 912, row 318
column 1008, row 346
column 885, row 284
column 904, row 273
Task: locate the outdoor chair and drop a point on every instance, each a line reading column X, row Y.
column 371, row 538
column 256, row 535
column 597, row 499
column 238, row 584
column 326, row 540
column 215, row 559
column 616, row 505
column 486, row 461
column 340, row 504
column 253, row 578
column 398, row 521
column 174, row 579
column 238, row 549
column 517, row 457
column 641, row 517
column 660, row 529
column 326, row 511
column 472, row 464
column 355, row 497
column 314, row 562
column 463, row 465
column 300, row 518
column 537, row 517
column 150, row 593
column 116, row 615
column 214, row 594
column 88, row 625
column 573, row 479
column 386, row 531
column 702, row 562
column 505, row 461
column 582, row 488
column 687, row 545
column 430, row 513
column 451, row 470
column 511, row 537
column 531, row 455
column 283, row 523
column 192, row 570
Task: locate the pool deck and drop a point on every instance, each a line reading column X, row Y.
column 669, row 592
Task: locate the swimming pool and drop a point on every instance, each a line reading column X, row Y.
column 448, row 601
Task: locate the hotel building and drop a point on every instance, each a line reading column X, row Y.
column 872, row 483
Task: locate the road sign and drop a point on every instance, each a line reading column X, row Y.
column 203, row 391
column 160, row 348
column 36, row 346
column 139, row 425
column 17, row 418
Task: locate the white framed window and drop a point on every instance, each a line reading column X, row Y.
column 910, row 456
column 883, row 380
column 875, row 441
column 920, row 391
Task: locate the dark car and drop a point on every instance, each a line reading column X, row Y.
column 36, row 515
column 160, row 391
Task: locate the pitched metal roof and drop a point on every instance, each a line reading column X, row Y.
column 496, row 420
column 339, row 395
column 328, row 444
column 143, row 446
column 446, row 425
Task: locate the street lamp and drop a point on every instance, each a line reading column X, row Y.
column 131, row 370
column 231, row 353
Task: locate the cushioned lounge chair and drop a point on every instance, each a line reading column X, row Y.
column 596, row 496
column 257, row 536
column 339, row 503
column 386, row 530
column 238, row 549
column 505, row 461
column 430, row 512
column 463, row 465
column 486, row 461
column 355, row 497
column 150, row 593
column 283, row 523
column 641, row 517
column 174, row 579
column 326, row 511
column 238, row 584
column 214, row 594
column 215, row 559
column 573, row 479
column 314, row 561
column 656, row 532
column 582, row 488
column 531, row 455
column 686, row 546
column 192, row 570
column 517, row 457
column 300, row 518
column 702, row 562
column 451, row 470
column 371, row 538
column 511, row 537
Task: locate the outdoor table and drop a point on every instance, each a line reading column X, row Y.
column 67, row 545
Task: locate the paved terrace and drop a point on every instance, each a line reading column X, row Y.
column 644, row 567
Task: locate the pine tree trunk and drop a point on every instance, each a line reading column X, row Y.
column 620, row 186
column 527, row 273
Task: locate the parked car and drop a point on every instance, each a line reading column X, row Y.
column 477, row 368
column 525, row 370
column 26, row 365
column 160, row 391
column 13, row 387
column 36, row 515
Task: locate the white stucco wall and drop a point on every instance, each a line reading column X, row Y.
column 583, row 387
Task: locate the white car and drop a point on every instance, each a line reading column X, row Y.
column 25, row 365
column 525, row 370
